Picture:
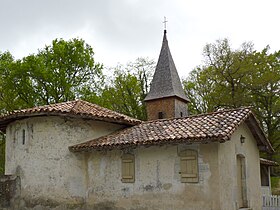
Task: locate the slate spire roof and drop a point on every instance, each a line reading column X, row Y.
column 166, row 81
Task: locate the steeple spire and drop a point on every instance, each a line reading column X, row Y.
column 166, row 81
column 166, row 85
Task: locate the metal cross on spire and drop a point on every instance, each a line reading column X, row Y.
column 164, row 22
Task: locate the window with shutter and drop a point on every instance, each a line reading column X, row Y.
column 128, row 171
column 189, row 166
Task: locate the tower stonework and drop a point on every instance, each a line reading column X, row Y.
column 166, row 98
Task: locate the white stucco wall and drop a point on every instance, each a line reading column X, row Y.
column 49, row 171
column 157, row 180
column 228, row 152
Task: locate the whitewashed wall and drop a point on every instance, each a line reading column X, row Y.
column 49, row 172
column 228, row 152
column 157, row 180
column 52, row 175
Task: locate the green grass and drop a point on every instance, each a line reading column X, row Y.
column 275, row 188
column 275, row 182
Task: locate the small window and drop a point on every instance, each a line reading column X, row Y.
column 23, row 137
column 160, row 115
column 181, row 113
column 128, row 171
column 189, row 166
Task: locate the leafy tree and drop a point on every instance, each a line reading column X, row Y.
column 126, row 90
column 143, row 69
column 264, row 86
column 234, row 78
column 57, row 73
column 124, row 95
column 6, row 89
column 199, row 88
column 222, row 80
column 68, row 67
column 225, row 73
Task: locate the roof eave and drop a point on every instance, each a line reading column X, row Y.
column 5, row 121
column 262, row 141
column 184, row 99
column 267, row 162
column 77, row 148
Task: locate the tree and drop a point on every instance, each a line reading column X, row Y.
column 264, row 86
column 124, row 95
column 234, row 78
column 199, row 88
column 228, row 69
column 57, row 73
column 6, row 87
column 220, row 82
column 143, row 69
column 126, row 90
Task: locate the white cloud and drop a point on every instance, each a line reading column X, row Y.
column 123, row 30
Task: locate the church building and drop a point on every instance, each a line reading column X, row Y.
column 79, row 155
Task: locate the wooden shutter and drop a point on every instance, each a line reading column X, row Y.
column 128, row 168
column 189, row 166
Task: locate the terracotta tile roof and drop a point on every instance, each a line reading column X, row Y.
column 268, row 162
column 205, row 128
column 77, row 108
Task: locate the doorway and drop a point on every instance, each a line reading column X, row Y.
column 241, row 182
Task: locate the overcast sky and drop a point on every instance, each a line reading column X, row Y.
column 122, row 30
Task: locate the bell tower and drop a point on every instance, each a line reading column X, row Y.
column 166, row 98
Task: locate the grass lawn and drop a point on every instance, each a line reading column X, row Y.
column 275, row 187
